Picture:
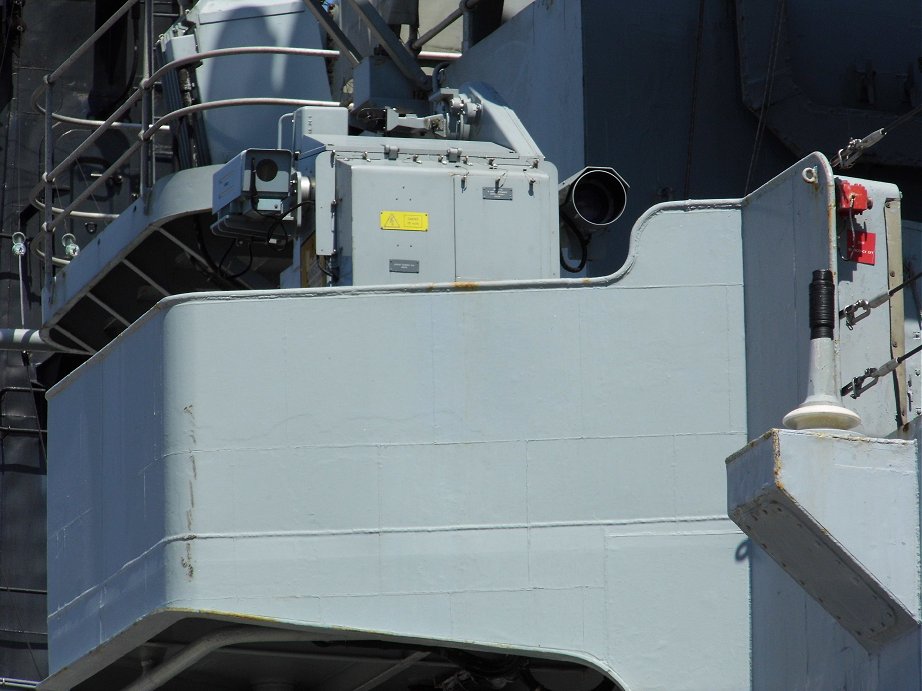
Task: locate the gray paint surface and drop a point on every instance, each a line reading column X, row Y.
column 455, row 488
column 378, row 350
column 809, row 498
column 237, row 23
column 540, row 45
column 654, row 90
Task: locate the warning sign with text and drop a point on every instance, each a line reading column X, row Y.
column 861, row 247
column 404, row 220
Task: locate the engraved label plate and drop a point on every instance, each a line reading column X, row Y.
column 404, row 266
column 499, row 193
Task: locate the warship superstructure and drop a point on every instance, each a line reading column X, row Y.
column 557, row 345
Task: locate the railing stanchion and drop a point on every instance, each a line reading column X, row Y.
column 47, row 226
column 147, row 100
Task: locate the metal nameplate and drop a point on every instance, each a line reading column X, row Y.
column 404, row 266
column 500, row 193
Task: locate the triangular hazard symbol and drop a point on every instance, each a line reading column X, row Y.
column 392, row 222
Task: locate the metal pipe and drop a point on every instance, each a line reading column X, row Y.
column 146, row 277
column 333, row 31
column 112, row 313
column 95, row 135
column 41, row 255
column 91, row 188
column 348, row 679
column 391, row 672
column 38, row 108
column 151, row 80
column 307, row 52
column 103, row 28
column 192, row 653
column 6, row 683
column 208, row 105
column 87, row 348
column 146, row 179
column 30, row 339
column 14, row 589
column 403, row 59
column 438, row 55
column 92, row 215
column 183, row 246
column 444, row 24
column 48, row 225
column 246, row 50
column 278, row 128
column 163, row 121
column 21, row 272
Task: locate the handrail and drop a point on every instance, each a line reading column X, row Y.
column 441, row 56
column 456, row 14
column 53, row 217
column 150, row 81
column 93, row 137
column 145, row 176
column 92, row 215
column 71, row 120
column 144, row 137
column 245, row 50
column 252, row 101
column 88, row 43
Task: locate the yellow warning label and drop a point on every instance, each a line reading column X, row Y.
column 404, row 220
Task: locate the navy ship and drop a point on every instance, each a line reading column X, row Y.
column 557, row 345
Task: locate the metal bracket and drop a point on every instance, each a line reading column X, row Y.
column 414, row 125
column 332, row 28
column 857, row 386
column 399, row 53
column 894, row 230
column 846, row 157
column 852, row 314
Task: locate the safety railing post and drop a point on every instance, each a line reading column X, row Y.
column 147, row 101
column 47, row 226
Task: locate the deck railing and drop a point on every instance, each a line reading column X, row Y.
column 42, row 195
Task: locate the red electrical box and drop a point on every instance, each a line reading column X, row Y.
column 853, row 198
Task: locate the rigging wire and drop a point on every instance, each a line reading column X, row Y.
column 6, row 38
column 699, row 42
column 767, row 96
column 105, row 110
column 23, row 289
column 845, row 158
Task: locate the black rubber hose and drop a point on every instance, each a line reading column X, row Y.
column 822, row 305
